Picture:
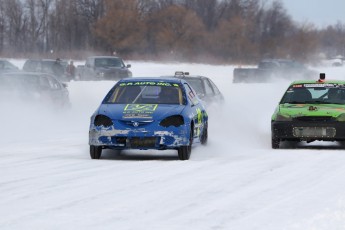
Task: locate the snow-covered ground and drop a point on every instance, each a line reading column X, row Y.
column 48, row 180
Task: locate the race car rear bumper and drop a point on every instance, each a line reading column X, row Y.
column 308, row 131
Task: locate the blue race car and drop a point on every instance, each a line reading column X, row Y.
column 149, row 113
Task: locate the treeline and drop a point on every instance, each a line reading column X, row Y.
column 235, row 31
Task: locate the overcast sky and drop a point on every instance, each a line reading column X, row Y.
column 319, row 12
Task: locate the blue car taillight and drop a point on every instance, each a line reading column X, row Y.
column 175, row 120
column 102, row 120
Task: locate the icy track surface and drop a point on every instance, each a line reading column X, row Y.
column 236, row 182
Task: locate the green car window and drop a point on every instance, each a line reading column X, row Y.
column 314, row 95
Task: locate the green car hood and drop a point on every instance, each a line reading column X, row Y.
column 298, row 110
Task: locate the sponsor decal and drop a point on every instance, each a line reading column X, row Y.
column 199, row 121
column 139, row 110
column 141, row 107
column 136, row 115
column 148, row 83
column 319, row 85
column 199, row 113
column 312, row 85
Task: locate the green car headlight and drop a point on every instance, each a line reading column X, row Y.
column 283, row 118
column 341, row 117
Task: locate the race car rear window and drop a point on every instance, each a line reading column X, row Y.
column 108, row 62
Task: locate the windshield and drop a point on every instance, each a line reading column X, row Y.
column 315, row 94
column 146, row 94
column 6, row 65
column 108, row 62
column 196, row 85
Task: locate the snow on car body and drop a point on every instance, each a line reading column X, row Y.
column 149, row 113
column 310, row 111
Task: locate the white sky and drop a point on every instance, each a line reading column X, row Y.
column 320, row 12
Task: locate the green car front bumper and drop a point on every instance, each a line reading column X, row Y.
column 323, row 130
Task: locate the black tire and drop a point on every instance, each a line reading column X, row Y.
column 185, row 151
column 204, row 135
column 275, row 143
column 95, row 152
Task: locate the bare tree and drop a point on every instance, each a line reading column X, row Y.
column 276, row 28
column 14, row 17
column 36, row 14
column 2, row 25
column 207, row 10
column 231, row 30
column 122, row 27
column 178, row 30
column 68, row 27
column 89, row 12
column 332, row 40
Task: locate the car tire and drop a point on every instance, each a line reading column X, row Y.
column 204, row 135
column 95, row 152
column 185, row 151
column 275, row 143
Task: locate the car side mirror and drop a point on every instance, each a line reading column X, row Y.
column 64, row 85
column 129, row 65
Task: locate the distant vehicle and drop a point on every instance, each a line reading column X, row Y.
column 34, row 87
column 206, row 90
column 337, row 64
column 309, row 111
column 149, row 113
column 273, row 69
column 337, row 61
column 6, row 66
column 55, row 67
column 103, row 68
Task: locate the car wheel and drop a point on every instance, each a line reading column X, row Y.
column 204, row 136
column 275, row 143
column 95, row 152
column 185, row 151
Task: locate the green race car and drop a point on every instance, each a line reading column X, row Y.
column 310, row 111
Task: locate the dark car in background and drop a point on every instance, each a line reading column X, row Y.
column 270, row 70
column 33, row 87
column 103, row 68
column 205, row 88
column 6, row 66
column 56, row 67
